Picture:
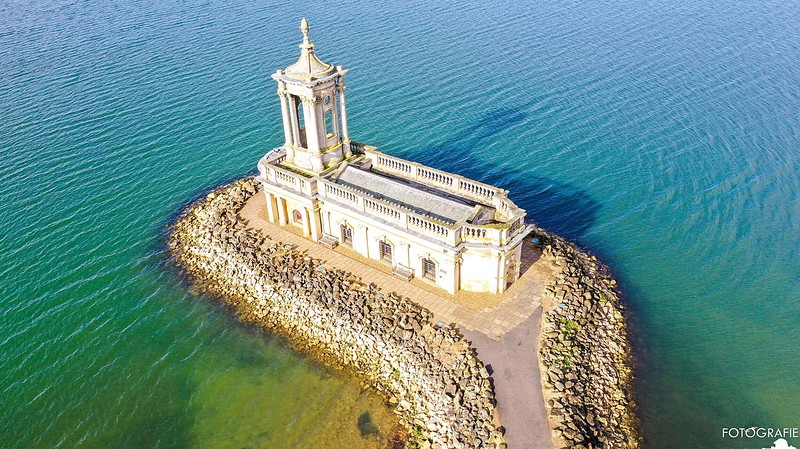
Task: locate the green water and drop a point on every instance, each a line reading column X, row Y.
column 665, row 136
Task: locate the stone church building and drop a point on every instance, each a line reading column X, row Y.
column 442, row 228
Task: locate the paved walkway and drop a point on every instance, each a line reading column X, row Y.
column 491, row 315
column 514, row 366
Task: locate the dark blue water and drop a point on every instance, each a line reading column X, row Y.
column 664, row 136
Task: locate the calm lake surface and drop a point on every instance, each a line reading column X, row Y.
column 664, row 136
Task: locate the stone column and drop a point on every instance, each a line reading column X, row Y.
column 457, row 273
column 283, row 219
column 306, row 222
column 343, row 114
column 500, row 284
column 295, row 121
column 312, row 133
column 287, row 127
column 271, row 212
column 335, row 117
column 316, row 224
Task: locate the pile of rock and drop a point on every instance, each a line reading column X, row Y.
column 585, row 353
column 441, row 391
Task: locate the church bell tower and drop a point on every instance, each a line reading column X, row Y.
column 313, row 108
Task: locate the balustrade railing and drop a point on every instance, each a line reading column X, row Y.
column 476, row 189
column 394, row 164
column 474, row 233
column 449, row 182
column 270, row 171
column 381, row 209
column 434, row 176
column 358, row 147
column 340, row 193
column 427, row 225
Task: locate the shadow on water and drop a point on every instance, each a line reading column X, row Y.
column 559, row 207
column 168, row 423
column 366, row 427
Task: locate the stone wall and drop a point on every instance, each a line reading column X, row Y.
column 442, row 392
column 585, row 354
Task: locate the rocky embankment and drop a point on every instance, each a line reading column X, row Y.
column 585, row 354
column 441, row 391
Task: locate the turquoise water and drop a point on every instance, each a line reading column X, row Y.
column 664, row 136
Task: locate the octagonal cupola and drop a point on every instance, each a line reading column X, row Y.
column 313, row 106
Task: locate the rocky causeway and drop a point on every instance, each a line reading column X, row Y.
column 559, row 376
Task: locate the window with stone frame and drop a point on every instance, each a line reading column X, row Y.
column 297, row 217
column 347, row 235
column 428, row 269
column 386, row 251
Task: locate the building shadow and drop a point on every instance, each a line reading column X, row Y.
column 366, row 426
column 530, row 254
column 560, row 207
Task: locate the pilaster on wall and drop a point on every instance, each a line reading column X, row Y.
column 316, row 224
column 402, row 257
column 343, row 117
column 451, row 282
column 364, row 239
column 496, row 287
column 282, row 214
column 272, row 211
column 457, row 273
column 306, row 223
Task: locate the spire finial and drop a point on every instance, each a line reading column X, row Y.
column 308, row 65
column 304, row 27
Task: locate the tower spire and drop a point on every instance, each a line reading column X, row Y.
column 304, row 28
column 308, row 65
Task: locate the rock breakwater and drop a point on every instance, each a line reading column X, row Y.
column 441, row 392
column 585, row 355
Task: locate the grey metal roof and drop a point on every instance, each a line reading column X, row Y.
column 416, row 199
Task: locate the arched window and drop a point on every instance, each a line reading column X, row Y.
column 301, row 121
column 297, row 217
column 428, row 269
column 301, row 117
column 329, row 123
column 347, row 235
column 385, row 251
